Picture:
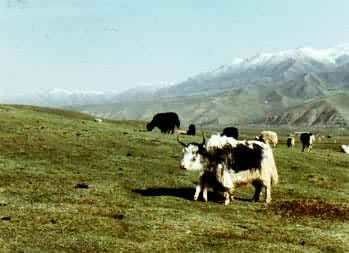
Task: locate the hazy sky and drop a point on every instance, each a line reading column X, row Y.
column 113, row 45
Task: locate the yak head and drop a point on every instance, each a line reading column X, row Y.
column 193, row 158
column 150, row 126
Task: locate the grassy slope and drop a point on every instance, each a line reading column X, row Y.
column 139, row 201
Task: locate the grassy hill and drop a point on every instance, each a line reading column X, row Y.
column 69, row 184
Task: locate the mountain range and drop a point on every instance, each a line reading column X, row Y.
column 296, row 87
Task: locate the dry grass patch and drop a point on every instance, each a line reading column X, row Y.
column 296, row 209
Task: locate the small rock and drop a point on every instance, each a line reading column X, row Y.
column 118, row 216
column 81, row 186
column 7, row 218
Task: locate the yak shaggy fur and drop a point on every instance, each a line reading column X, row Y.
column 269, row 137
column 192, row 160
column 236, row 163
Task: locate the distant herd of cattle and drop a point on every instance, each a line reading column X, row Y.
column 167, row 123
column 225, row 162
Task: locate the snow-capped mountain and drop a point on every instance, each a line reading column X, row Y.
column 62, row 98
column 296, row 87
column 267, row 69
column 325, row 56
column 310, row 86
column 330, row 57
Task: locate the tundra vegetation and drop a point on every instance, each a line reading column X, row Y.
column 69, row 184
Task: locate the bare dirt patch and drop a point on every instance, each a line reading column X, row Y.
column 296, row 209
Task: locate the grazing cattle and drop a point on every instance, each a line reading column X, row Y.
column 98, row 120
column 269, row 137
column 166, row 122
column 230, row 132
column 345, row 148
column 226, row 163
column 307, row 140
column 290, row 142
column 191, row 130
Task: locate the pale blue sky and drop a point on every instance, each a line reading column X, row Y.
column 113, row 45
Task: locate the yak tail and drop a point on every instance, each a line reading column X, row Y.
column 274, row 173
column 274, row 176
column 270, row 163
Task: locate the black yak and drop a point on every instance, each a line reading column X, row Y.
column 166, row 122
column 231, row 132
column 191, row 130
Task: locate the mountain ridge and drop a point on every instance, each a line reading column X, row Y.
column 291, row 87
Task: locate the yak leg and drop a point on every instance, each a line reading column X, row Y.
column 197, row 192
column 226, row 198
column 204, row 193
column 231, row 193
column 228, row 195
column 202, row 186
column 268, row 192
column 258, row 188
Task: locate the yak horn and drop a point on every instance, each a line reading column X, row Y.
column 202, row 143
column 182, row 143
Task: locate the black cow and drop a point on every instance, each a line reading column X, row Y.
column 307, row 140
column 191, row 130
column 231, row 132
column 166, row 122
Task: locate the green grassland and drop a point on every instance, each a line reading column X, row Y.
column 136, row 199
